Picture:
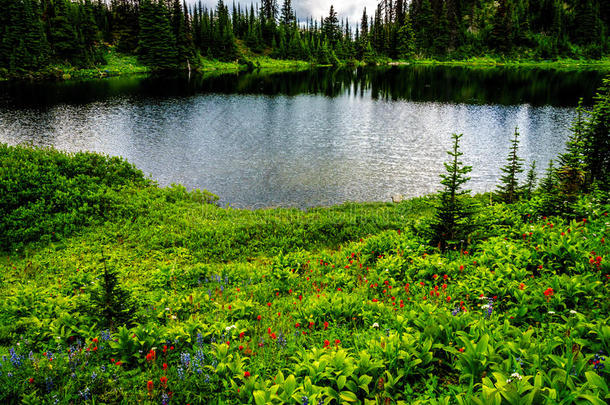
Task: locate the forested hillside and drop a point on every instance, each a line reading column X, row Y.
column 169, row 34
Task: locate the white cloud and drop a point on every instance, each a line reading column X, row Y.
column 351, row 9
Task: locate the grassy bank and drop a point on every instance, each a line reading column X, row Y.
column 114, row 289
column 561, row 64
column 120, row 64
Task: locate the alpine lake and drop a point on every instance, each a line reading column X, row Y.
column 307, row 138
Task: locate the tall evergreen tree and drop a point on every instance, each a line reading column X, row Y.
column 596, row 138
column 331, row 26
column 508, row 190
column 423, row 24
column 549, row 201
column 572, row 169
column 453, row 218
column 501, row 35
column 63, row 35
column 287, row 16
column 441, row 37
column 157, row 43
column 125, row 24
column 405, row 39
column 180, row 28
column 530, row 182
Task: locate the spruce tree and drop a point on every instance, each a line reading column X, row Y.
column 184, row 43
column 501, row 34
column 596, row 139
column 224, row 47
column 157, row 43
column 125, row 24
column 405, row 42
column 587, row 23
column 508, row 190
column 287, row 14
column 110, row 300
column 530, row 182
column 549, row 182
column 331, row 26
column 424, row 27
column 453, row 218
column 441, row 32
column 62, row 33
column 549, row 199
column 90, row 34
column 572, row 169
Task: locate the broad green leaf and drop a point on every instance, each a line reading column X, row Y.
column 290, row 384
column 341, row 382
column 596, row 381
column 259, row 398
column 348, row 396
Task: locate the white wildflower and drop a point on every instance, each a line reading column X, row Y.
column 517, row 376
column 573, row 312
column 228, row 328
column 551, row 312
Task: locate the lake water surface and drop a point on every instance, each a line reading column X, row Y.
column 305, row 138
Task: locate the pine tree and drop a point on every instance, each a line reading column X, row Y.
column 405, row 46
column 63, row 36
column 423, row 25
column 572, row 169
column 364, row 25
column 453, row 218
column 184, row 44
column 530, row 182
column 90, row 34
column 369, row 57
column 596, row 139
column 111, row 300
column 224, row 47
column 268, row 16
column 331, row 27
column 587, row 31
column 157, row 43
column 287, row 14
column 501, row 34
column 441, row 37
column 549, row 182
column 125, row 24
column 508, row 190
column 549, row 200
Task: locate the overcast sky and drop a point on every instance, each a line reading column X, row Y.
column 351, row 9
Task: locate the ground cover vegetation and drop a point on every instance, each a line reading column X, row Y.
column 48, row 37
column 113, row 289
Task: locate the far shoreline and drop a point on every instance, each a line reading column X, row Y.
column 125, row 65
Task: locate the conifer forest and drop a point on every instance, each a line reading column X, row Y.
column 169, row 34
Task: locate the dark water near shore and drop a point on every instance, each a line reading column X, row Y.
column 305, row 138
